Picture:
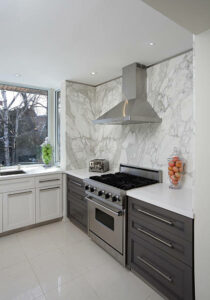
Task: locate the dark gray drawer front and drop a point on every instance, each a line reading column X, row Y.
column 78, row 213
column 164, row 240
column 75, row 184
column 166, row 220
column 76, row 202
column 78, row 198
column 170, row 276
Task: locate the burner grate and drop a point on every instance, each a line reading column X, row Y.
column 123, row 181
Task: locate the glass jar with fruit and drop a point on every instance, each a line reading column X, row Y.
column 175, row 169
column 47, row 153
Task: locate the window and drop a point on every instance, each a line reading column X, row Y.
column 57, row 125
column 23, row 124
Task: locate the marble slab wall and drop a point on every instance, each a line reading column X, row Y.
column 79, row 112
column 170, row 92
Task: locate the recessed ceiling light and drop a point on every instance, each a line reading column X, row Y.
column 18, row 75
column 93, row 73
column 151, row 44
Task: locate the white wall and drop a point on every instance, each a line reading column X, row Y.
column 202, row 165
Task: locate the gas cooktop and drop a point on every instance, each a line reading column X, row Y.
column 123, row 181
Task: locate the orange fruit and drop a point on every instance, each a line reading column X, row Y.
column 178, row 163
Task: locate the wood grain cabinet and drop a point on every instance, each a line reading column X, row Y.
column 76, row 202
column 18, row 209
column 160, row 249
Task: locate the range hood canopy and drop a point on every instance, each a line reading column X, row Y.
column 134, row 107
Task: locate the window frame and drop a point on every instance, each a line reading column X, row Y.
column 49, row 118
column 57, row 151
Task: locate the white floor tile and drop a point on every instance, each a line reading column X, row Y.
column 59, row 261
column 19, row 282
column 124, row 287
column 87, row 255
column 66, row 235
column 53, row 270
column 35, row 241
column 78, row 289
column 11, row 251
column 155, row 296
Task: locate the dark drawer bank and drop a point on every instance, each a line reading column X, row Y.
column 76, row 202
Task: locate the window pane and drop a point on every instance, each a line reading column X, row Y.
column 23, row 124
column 57, row 125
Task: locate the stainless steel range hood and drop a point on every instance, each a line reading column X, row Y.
column 134, row 107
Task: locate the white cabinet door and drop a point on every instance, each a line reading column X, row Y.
column 1, row 219
column 18, row 209
column 48, row 203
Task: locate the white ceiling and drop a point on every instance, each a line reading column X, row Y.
column 48, row 41
column 194, row 15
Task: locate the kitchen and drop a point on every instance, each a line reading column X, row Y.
column 102, row 222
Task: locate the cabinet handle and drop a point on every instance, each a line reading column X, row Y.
column 154, row 216
column 48, row 180
column 155, row 237
column 51, row 188
column 20, row 193
column 77, row 183
column 168, row 278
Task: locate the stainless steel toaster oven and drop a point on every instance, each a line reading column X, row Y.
column 99, row 165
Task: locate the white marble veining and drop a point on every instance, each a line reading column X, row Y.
column 80, row 138
column 170, row 91
column 178, row 201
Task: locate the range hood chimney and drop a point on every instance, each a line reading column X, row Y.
column 134, row 107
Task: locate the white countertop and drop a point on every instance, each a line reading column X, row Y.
column 84, row 173
column 178, row 201
column 30, row 170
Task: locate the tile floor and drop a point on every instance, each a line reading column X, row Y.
column 58, row 261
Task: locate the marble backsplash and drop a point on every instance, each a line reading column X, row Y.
column 170, row 92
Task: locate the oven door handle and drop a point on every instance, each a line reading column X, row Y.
column 118, row 213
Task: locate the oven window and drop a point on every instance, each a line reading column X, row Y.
column 104, row 218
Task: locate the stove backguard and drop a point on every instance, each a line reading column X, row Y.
column 143, row 172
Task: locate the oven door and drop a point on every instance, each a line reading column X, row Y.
column 106, row 223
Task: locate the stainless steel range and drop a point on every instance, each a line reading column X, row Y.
column 107, row 201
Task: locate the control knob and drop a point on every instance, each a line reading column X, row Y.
column 92, row 189
column 100, row 193
column 87, row 187
column 108, row 195
column 115, row 198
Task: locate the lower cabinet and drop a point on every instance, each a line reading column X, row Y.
column 1, row 219
column 29, row 200
column 18, row 209
column 48, row 203
column 76, row 202
column 160, row 249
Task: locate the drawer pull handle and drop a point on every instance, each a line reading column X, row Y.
column 77, row 183
column 48, row 180
column 51, row 188
column 168, row 278
column 20, row 193
column 155, row 217
column 155, row 237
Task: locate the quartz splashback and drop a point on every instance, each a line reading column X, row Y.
column 170, row 92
